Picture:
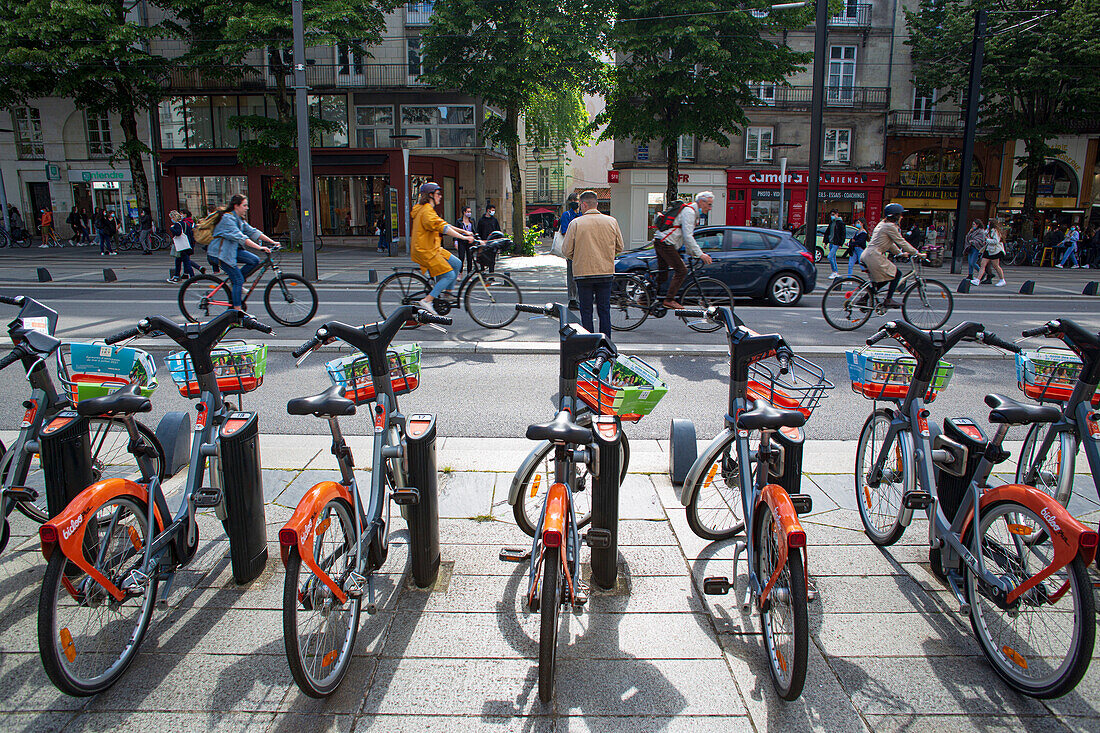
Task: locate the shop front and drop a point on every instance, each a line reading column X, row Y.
column 106, row 189
column 638, row 195
column 1065, row 189
column 753, row 196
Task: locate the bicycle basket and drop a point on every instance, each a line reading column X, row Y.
column 353, row 373
column 627, row 387
column 94, row 370
column 1049, row 374
column 884, row 373
column 239, row 367
column 801, row 388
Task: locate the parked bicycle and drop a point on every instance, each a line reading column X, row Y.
column 132, row 240
column 636, row 296
column 333, row 544
column 1013, row 557
column 290, row 299
column 1067, row 379
column 489, row 297
column 73, row 449
column 116, row 541
column 851, row 300
column 727, row 489
column 295, row 245
column 16, row 238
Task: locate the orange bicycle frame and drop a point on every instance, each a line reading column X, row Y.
column 301, row 529
column 774, row 499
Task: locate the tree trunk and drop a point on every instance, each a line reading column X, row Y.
column 511, row 119
column 285, row 110
column 672, row 152
column 134, row 146
column 1033, row 166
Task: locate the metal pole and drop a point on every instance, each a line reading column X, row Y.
column 972, row 101
column 782, row 179
column 305, row 160
column 4, row 194
column 408, row 204
column 817, row 113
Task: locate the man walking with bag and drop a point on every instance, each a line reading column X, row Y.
column 591, row 243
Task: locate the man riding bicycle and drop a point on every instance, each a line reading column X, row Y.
column 667, row 245
column 886, row 240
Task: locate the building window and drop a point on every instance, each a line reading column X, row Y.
column 373, row 126
column 331, row 108
column 758, row 144
column 924, row 104
column 842, row 74
column 222, row 109
column 838, row 144
column 765, row 92
column 28, row 132
column 544, row 175
column 201, row 194
column 687, row 147
column 412, row 46
column 98, row 129
column 348, row 61
column 442, row 126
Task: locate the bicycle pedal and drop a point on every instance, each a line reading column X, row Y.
column 406, row 496
column 515, row 554
column 354, row 585
column 803, row 503
column 21, row 493
column 207, row 498
column 598, row 539
column 917, row 500
column 580, row 596
column 716, row 586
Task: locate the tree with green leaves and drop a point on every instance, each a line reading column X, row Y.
column 531, row 60
column 1038, row 76
column 92, row 52
column 687, row 67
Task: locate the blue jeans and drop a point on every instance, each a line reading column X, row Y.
column 853, row 257
column 248, row 262
column 105, row 242
column 1071, row 254
column 598, row 288
column 832, row 255
column 973, row 257
column 447, row 279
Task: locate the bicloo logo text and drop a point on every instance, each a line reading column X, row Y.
column 73, row 526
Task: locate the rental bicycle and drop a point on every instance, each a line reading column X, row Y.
column 72, row 449
column 14, row 238
column 727, row 489
column 851, row 300
column 1013, row 557
column 489, row 297
column 1066, row 378
column 116, row 541
column 636, row 296
column 333, row 544
column 290, row 299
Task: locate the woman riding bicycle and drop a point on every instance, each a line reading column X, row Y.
column 226, row 250
column 427, row 250
column 886, row 240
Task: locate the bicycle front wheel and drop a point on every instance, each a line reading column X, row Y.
column 291, row 300
column 491, row 299
column 927, row 304
column 880, row 501
column 702, row 293
column 715, row 510
column 86, row 638
column 318, row 631
column 549, row 605
column 400, row 288
column 1052, row 473
column 784, row 619
column 1042, row 643
column 202, row 297
column 630, row 302
column 847, row 304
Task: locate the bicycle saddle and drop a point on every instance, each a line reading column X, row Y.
column 125, row 401
column 1009, row 411
column 561, row 430
column 330, row 403
column 764, row 416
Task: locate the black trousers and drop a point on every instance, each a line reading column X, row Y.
column 596, row 289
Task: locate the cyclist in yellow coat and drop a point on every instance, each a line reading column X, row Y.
column 427, row 250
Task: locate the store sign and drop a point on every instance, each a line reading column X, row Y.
column 53, row 172
column 828, row 179
column 612, row 176
column 772, row 194
column 93, row 176
column 643, row 152
column 683, row 178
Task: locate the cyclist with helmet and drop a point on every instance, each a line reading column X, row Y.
column 426, row 250
column 886, row 240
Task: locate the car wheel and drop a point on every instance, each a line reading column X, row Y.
column 819, row 255
column 785, row 289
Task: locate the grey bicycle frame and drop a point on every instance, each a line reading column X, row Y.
column 1074, row 421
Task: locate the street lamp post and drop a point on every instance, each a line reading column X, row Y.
column 404, row 140
column 4, row 197
column 783, row 174
column 305, row 160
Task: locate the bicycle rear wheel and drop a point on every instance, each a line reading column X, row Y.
column 291, row 300
column 702, row 293
column 491, row 299
column 549, row 606
column 400, row 288
column 87, row 639
column 537, row 481
column 318, row 631
column 784, row 619
column 847, row 304
column 1042, row 643
column 880, row 502
column 927, row 304
column 630, row 302
column 1054, row 474
column 715, row 510
column 204, row 296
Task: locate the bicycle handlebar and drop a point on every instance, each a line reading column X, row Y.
column 127, row 334
column 871, row 341
column 992, row 339
column 1040, row 331
column 13, row 356
column 538, row 310
column 12, row 300
column 692, row 313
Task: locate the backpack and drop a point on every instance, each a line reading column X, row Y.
column 667, row 218
column 203, row 232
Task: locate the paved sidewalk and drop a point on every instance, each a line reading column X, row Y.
column 889, row 652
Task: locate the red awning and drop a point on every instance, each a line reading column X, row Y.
column 542, row 210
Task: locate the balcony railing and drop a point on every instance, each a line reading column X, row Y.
column 922, row 122
column 318, row 77
column 853, row 16
column 419, row 13
column 856, row 98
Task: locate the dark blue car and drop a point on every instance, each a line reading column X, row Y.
column 753, row 262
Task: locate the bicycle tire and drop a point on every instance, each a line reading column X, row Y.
column 57, row 646
column 203, row 296
column 1055, row 475
column 704, row 292
column 331, row 627
column 1013, row 659
column 715, row 509
column 841, row 301
column 929, row 303
column 881, row 509
column 549, row 606
column 21, row 240
column 785, row 612
column 631, row 300
column 491, row 301
column 296, row 294
column 401, row 288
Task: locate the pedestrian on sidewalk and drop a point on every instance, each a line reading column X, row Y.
column 77, row 225
column 427, row 250
column 182, row 246
column 45, row 226
column 1073, row 236
column 488, row 223
column 232, row 234
column 975, row 243
column 15, row 220
column 86, row 220
column 145, row 230
column 107, row 232
column 857, row 244
column 466, row 225
column 591, row 242
column 572, row 211
column 992, row 255
column 834, row 239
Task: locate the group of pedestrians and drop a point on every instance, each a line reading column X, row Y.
column 836, row 233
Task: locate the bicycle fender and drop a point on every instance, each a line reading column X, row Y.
column 524, row 468
column 774, row 498
column 1065, row 531
column 557, row 506
column 705, row 459
column 64, row 526
column 301, row 528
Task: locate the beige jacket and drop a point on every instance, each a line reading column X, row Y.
column 885, row 240
column 592, row 241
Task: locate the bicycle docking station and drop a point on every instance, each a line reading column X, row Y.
column 245, row 521
column 420, row 442
column 65, row 451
